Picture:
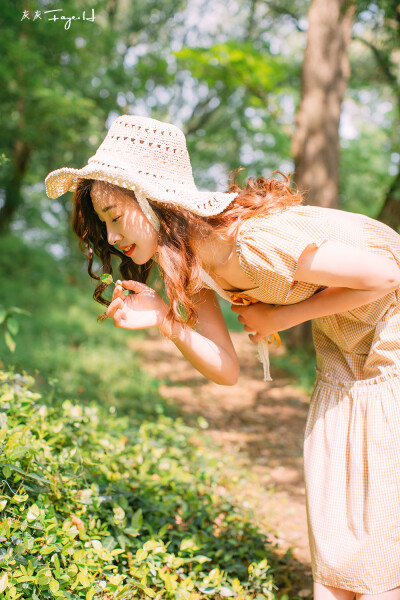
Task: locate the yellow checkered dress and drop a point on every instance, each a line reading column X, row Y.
column 352, row 437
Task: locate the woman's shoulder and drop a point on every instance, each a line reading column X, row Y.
column 304, row 215
column 296, row 214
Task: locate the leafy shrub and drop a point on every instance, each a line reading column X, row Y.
column 10, row 324
column 96, row 506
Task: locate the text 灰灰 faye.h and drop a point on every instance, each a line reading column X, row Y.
column 55, row 17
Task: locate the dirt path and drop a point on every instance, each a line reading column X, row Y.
column 261, row 423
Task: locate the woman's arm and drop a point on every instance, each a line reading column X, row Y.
column 339, row 265
column 208, row 347
column 353, row 277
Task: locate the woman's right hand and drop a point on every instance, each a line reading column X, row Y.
column 145, row 308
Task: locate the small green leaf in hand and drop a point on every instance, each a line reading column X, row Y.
column 107, row 279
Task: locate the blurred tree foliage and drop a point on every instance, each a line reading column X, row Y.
column 229, row 76
column 60, row 86
column 371, row 155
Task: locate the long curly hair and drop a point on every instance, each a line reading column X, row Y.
column 180, row 268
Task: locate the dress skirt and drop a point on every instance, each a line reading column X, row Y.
column 352, row 475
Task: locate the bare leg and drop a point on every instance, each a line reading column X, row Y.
column 326, row 592
column 390, row 595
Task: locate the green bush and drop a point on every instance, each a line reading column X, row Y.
column 94, row 505
column 62, row 340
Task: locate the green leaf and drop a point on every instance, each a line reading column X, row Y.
column 163, row 530
column 141, row 555
column 19, row 498
column 54, row 585
column 83, row 579
column 3, row 315
column 12, row 325
column 7, row 471
column 57, row 565
column 20, row 311
column 137, row 520
column 43, row 579
column 106, row 278
column 3, row 581
column 90, row 594
column 33, row 513
column 9, row 341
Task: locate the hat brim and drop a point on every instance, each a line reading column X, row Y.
column 203, row 203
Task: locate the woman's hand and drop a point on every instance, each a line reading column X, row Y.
column 262, row 318
column 145, row 308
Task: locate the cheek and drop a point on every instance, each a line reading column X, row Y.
column 151, row 234
column 155, row 240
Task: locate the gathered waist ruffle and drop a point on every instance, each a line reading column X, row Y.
column 356, row 383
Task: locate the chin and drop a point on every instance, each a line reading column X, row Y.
column 139, row 259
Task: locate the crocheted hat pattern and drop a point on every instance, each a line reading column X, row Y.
column 149, row 157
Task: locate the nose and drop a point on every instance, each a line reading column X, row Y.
column 113, row 237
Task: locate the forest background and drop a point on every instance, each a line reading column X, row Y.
column 310, row 87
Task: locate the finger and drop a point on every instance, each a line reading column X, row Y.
column 115, row 304
column 236, row 308
column 119, row 287
column 255, row 337
column 136, row 286
column 118, row 293
column 246, row 328
column 118, row 316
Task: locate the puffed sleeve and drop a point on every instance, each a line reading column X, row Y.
column 269, row 248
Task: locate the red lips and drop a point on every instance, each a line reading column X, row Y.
column 127, row 250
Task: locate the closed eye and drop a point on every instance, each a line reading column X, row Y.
column 116, row 219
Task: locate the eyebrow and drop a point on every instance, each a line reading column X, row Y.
column 105, row 210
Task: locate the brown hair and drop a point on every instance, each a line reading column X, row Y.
column 180, row 268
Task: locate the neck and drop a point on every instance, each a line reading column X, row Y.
column 215, row 252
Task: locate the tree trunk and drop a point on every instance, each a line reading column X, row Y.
column 390, row 211
column 13, row 199
column 325, row 73
column 315, row 144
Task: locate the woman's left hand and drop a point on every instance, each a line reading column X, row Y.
column 261, row 318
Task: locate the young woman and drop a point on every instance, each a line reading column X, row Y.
column 282, row 263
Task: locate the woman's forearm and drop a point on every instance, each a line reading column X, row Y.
column 330, row 301
column 210, row 359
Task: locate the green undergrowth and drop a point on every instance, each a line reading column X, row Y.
column 97, row 505
column 61, row 343
column 104, row 491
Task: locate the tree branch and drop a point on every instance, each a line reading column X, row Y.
column 383, row 61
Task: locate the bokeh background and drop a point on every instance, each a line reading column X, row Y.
column 310, row 88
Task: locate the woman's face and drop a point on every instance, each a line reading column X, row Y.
column 127, row 226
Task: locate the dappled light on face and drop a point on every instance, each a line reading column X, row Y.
column 102, row 196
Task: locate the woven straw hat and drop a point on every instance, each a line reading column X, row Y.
column 148, row 157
